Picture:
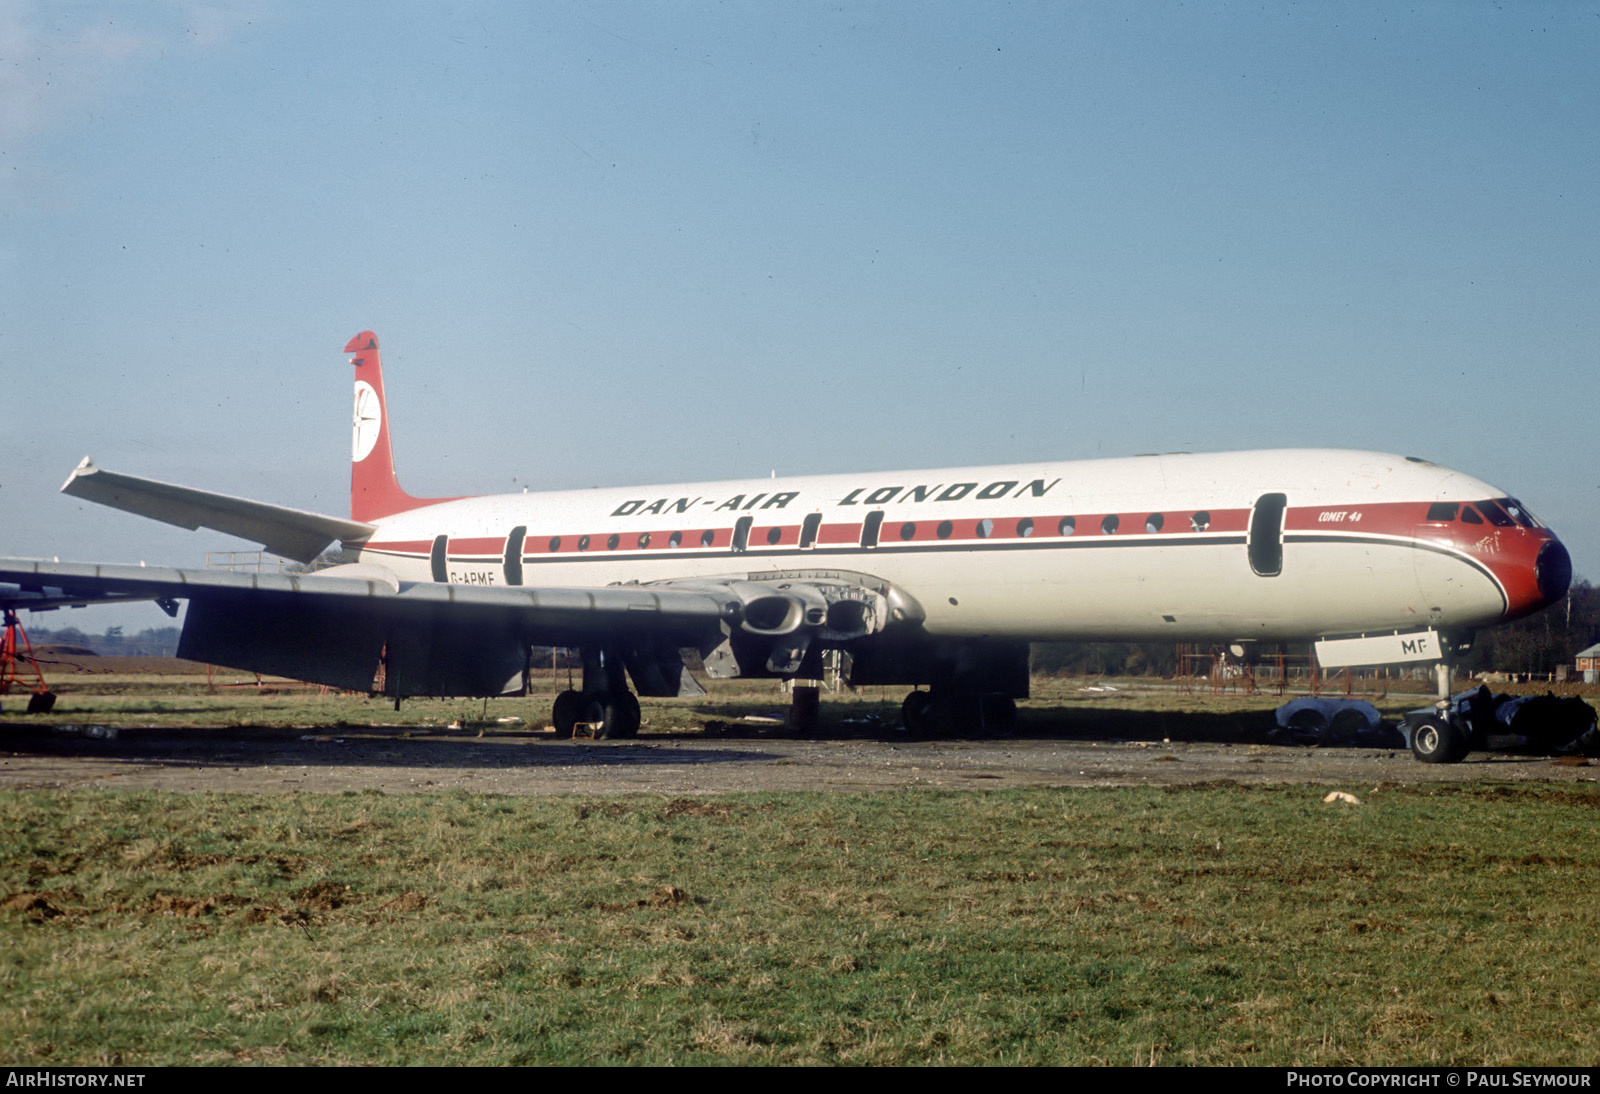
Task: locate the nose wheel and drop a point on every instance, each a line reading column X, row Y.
column 1441, row 738
column 1437, row 740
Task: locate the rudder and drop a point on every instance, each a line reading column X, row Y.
column 375, row 490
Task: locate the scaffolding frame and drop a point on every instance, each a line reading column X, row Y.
column 19, row 663
column 1224, row 673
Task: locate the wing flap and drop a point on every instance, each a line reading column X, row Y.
column 292, row 533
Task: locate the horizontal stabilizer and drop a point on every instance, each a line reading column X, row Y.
column 292, row 533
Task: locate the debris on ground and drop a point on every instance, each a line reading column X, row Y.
column 1546, row 724
column 1313, row 720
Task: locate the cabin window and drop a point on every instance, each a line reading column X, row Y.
column 908, row 530
column 1110, row 524
column 513, row 557
column 644, row 539
column 439, row 558
column 1025, row 527
column 944, row 529
column 1200, row 521
column 583, row 543
column 675, row 539
column 1067, row 526
column 1265, row 542
column 707, row 537
column 612, row 540
column 555, row 544
column 985, row 526
column 774, row 534
column 1153, row 522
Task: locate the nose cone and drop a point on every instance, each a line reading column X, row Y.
column 1536, row 574
column 1511, row 571
column 1552, row 570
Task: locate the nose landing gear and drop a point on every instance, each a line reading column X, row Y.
column 1441, row 738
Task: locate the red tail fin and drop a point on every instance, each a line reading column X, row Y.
column 374, row 490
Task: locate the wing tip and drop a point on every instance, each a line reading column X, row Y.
column 85, row 467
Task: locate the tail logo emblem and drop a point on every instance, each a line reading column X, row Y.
column 368, row 422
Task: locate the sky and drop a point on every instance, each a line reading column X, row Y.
column 626, row 243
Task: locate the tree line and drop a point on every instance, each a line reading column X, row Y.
column 150, row 642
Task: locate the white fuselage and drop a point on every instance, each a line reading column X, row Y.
column 1140, row 548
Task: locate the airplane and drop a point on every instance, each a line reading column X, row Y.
column 937, row 579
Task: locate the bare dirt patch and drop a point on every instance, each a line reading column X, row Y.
column 67, row 660
column 33, row 905
column 681, row 764
column 183, row 906
column 189, row 733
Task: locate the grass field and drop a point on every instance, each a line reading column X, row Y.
column 1219, row 925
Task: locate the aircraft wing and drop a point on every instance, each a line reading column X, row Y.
column 292, row 533
column 44, row 598
column 334, row 627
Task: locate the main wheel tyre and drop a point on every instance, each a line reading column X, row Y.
column 1436, row 741
column 592, row 712
column 916, row 713
column 966, row 715
column 565, row 711
column 619, row 716
column 623, row 715
column 999, row 715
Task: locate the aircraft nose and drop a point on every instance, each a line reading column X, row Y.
column 1552, row 570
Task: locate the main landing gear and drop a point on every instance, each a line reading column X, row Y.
column 604, row 702
column 614, row 714
column 942, row 714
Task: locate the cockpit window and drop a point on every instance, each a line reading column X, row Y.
column 1469, row 515
column 1442, row 510
column 1497, row 516
column 1519, row 514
